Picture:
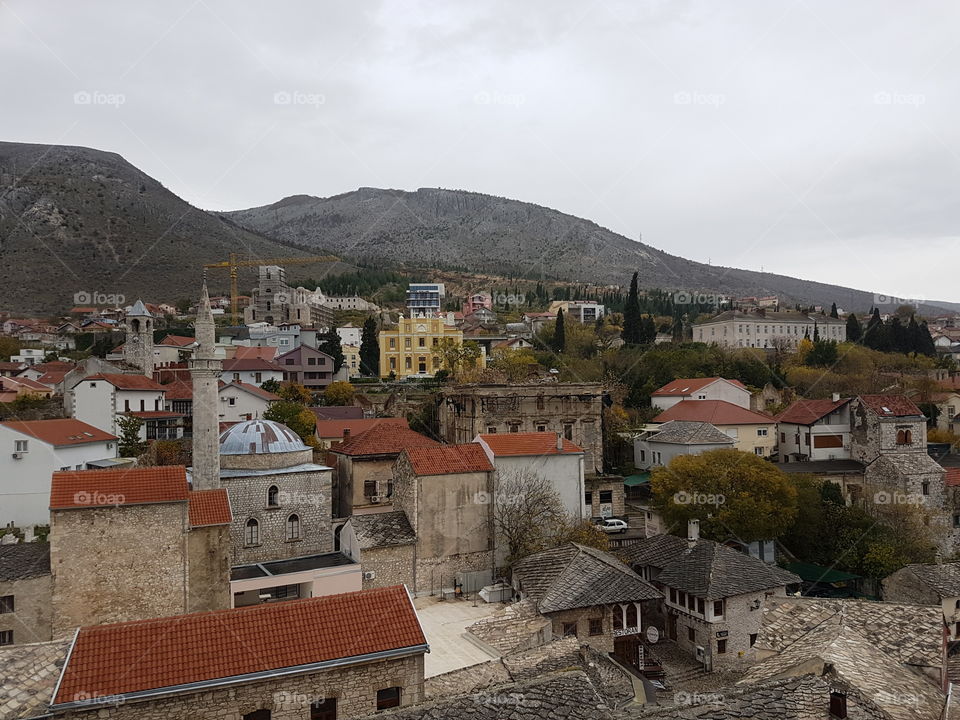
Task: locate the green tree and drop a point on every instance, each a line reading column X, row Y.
column 729, row 491
column 833, row 311
column 457, row 357
column 271, row 385
column 631, row 314
column 295, row 416
column 823, row 354
column 369, row 349
column 129, row 443
column 816, row 332
column 559, row 334
column 854, row 328
column 8, row 346
column 338, row 393
column 295, row 392
column 330, row 344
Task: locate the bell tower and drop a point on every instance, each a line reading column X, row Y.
column 205, row 369
column 138, row 346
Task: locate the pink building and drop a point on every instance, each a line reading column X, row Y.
column 477, row 301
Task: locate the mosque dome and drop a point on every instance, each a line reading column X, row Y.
column 259, row 437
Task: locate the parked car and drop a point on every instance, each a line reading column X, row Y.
column 613, row 525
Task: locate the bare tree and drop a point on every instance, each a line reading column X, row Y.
column 526, row 512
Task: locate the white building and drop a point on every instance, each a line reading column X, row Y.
column 251, row 370
column 711, row 388
column 101, row 399
column 349, row 334
column 815, row 430
column 546, row 454
column 582, row 311
column 29, row 356
column 658, row 446
column 241, row 401
column 31, row 451
column 767, row 329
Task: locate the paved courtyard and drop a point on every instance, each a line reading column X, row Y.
column 444, row 622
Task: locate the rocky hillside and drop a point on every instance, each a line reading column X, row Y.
column 487, row 233
column 75, row 220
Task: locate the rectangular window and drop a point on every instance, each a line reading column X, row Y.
column 568, row 432
column 758, row 451
column 700, row 604
column 421, row 342
column 311, row 361
column 596, row 626
column 588, row 500
column 6, row 637
column 569, row 629
column 673, row 595
column 491, row 430
column 753, row 639
column 761, row 432
column 20, row 445
column 721, row 647
column 718, row 608
column 393, row 343
column 6, row 604
column 231, row 401
column 838, row 705
column 325, row 709
column 388, row 698
column 691, row 635
column 606, row 496
column 783, row 437
column 541, row 428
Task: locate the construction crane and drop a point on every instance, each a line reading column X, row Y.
column 234, row 265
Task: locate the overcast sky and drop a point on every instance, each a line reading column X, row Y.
column 813, row 139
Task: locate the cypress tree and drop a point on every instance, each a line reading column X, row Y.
column 873, row 336
column 833, row 311
column 816, row 332
column 631, row 314
column 330, row 344
column 369, row 348
column 559, row 334
column 854, row 328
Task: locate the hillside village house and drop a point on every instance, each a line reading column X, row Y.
column 583, row 311
column 812, row 430
column 351, row 360
column 752, row 431
column 658, row 446
column 253, row 371
column 767, row 329
column 408, row 349
column 241, row 401
column 100, row 399
column 32, row 450
column 332, row 431
column 13, row 387
column 710, row 388
column 307, row 366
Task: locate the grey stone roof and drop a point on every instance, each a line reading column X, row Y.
column 806, row 697
column 383, row 529
column 24, row 560
column 28, row 676
column 943, row 578
column 254, row 437
column 910, row 633
column 138, row 309
column 911, row 463
column 510, row 626
column 560, row 696
column 709, row 570
column 878, row 678
column 656, row 551
column 684, row 432
column 575, row 576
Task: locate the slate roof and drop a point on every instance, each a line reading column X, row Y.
column 944, row 578
column 718, row 412
column 688, row 386
column 575, row 576
column 558, row 696
column 656, row 551
column 857, row 662
column 891, row 405
column 713, row 571
column 915, row 463
column 449, row 459
column 23, row 561
column 383, row 529
column 682, row 432
column 28, row 677
column 909, row 633
column 124, row 658
column 807, row 412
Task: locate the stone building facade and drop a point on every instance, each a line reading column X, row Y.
column 573, row 409
column 604, row 495
column 138, row 346
column 25, row 588
column 385, row 545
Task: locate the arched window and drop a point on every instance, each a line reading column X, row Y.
column 272, row 499
column 632, row 620
column 908, row 437
column 251, row 535
column 293, row 527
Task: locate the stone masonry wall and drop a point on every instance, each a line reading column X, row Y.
column 602, row 643
column 904, row 587
column 208, row 550
column 31, row 619
column 117, row 563
column 434, row 574
column 287, row 698
column 392, row 565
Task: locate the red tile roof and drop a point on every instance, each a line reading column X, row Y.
column 148, row 414
column 177, row 340
column 952, row 477
column 687, row 386
column 264, row 353
column 59, row 432
column 209, row 507
column 544, row 443
column 178, row 390
column 449, row 459
column 128, row 486
column 252, row 363
column 165, row 652
column 384, row 439
column 253, row 390
column 53, row 377
column 127, row 382
column 715, row 412
column 14, row 383
column 891, row 405
column 335, row 428
column 807, row 412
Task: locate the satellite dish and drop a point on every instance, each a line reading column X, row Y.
column 653, row 635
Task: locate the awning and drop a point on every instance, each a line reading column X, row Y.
column 638, row 479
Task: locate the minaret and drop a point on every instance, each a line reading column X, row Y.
column 138, row 345
column 205, row 371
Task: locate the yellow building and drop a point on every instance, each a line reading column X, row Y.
column 351, row 358
column 408, row 348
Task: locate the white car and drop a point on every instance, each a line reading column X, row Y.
column 613, row 525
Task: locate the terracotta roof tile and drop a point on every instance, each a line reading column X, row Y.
column 127, row 382
column 449, row 459
column 686, row 386
column 209, row 507
column 252, row 389
column 544, row 443
column 249, row 363
column 59, row 432
column 263, row 353
column 178, row 390
column 807, row 412
column 891, row 405
column 125, row 658
column 177, row 340
column 952, row 477
column 384, row 439
column 715, row 412
column 127, row 486
column 335, row 428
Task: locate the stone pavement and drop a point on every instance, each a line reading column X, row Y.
column 445, row 623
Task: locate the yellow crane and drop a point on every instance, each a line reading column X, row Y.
column 234, row 265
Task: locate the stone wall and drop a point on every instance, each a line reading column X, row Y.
column 117, row 563
column 288, row 698
column 208, row 552
column 392, row 565
column 904, row 587
column 435, row 574
column 30, row 620
column 306, row 494
column 582, row 616
column 352, row 473
column 596, row 485
column 266, row 461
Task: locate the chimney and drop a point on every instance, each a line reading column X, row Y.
column 836, row 397
column 346, row 433
column 693, row 532
column 559, row 443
